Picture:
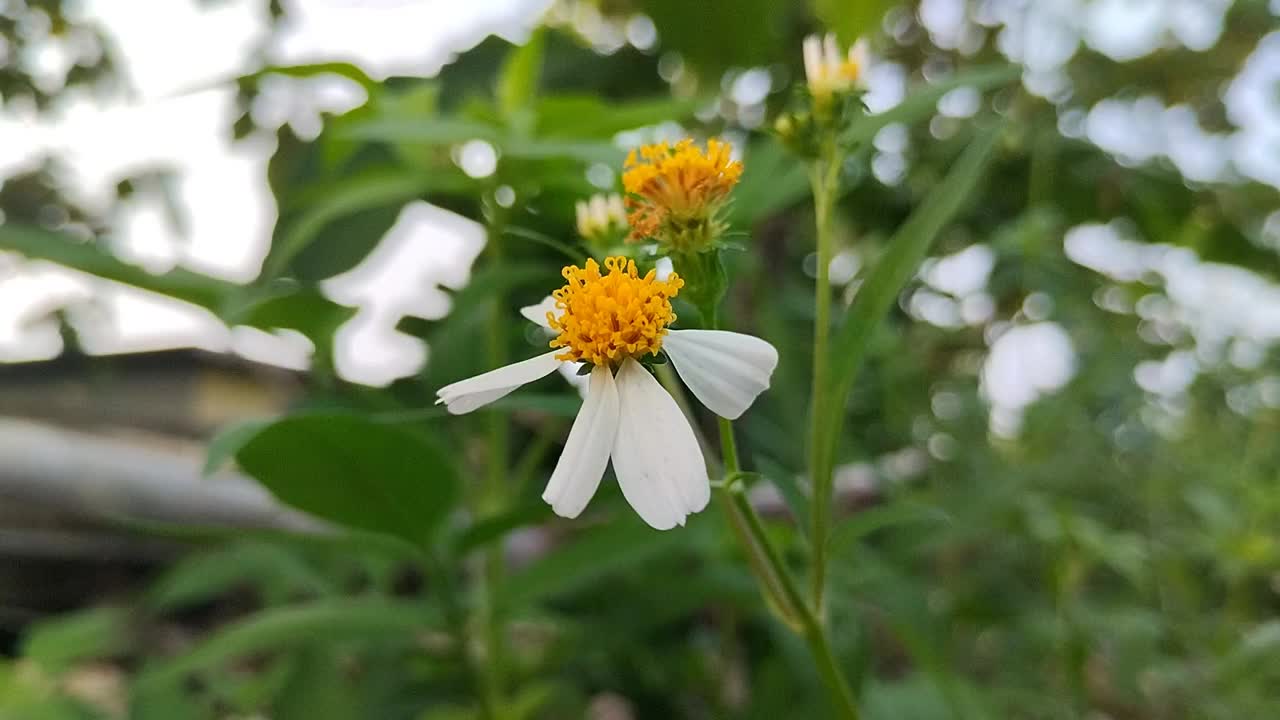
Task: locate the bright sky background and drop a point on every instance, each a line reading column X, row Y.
column 180, row 111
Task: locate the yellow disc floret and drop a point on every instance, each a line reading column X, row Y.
column 604, row 319
column 676, row 191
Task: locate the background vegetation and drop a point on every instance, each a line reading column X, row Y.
column 1101, row 541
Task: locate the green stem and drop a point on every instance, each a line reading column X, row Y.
column 825, row 179
column 775, row 578
column 809, row 625
column 493, row 497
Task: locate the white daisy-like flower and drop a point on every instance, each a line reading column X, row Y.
column 829, row 71
column 612, row 321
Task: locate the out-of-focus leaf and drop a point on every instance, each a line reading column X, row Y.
column 424, row 130
column 273, row 569
column 772, row 180
column 518, row 78
column 593, row 554
column 715, row 35
column 318, row 688
column 224, row 446
column 349, row 71
column 851, row 19
column 499, row 526
column 92, row 258
column 585, row 151
column 922, row 101
column 282, row 628
column 312, row 243
column 866, row 521
column 587, row 116
column 905, row 252
column 304, row 310
column 63, row 641
column 354, row 472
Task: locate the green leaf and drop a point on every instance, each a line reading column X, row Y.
column 310, row 240
column 499, row 526
column 354, row 472
column 518, row 78
column 922, row 101
column 224, row 446
column 346, row 70
column 866, row 521
column 850, row 19
column 61, row 642
column 91, row 257
column 905, row 251
column 715, row 35
column 273, row 569
column 772, row 180
column 282, row 628
column 421, row 130
column 303, row 309
column 594, row 554
column 588, row 116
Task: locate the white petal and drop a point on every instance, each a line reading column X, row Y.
column 537, row 314
column 726, row 371
column 813, row 58
column 656, row 456
column 467, row 395
column 586, row 452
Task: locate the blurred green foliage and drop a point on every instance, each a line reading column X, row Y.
column 1117, row 557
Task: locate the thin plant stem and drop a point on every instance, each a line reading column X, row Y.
column 824, row 177
column 493, row 496
column 774, row 576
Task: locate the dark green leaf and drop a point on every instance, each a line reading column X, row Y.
column 354, row 472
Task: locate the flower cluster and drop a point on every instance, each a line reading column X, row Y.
column 676, row 193
column 605, row 318
column 831, row 98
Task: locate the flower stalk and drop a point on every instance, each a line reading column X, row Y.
column 825, row 178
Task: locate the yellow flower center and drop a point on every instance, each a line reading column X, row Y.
column 604, row 319
column 678, row 185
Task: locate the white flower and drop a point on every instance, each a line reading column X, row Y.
column 829, row 71
column 612, row 321
column 601, row 217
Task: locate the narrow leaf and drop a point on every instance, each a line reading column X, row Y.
column 905, row 252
